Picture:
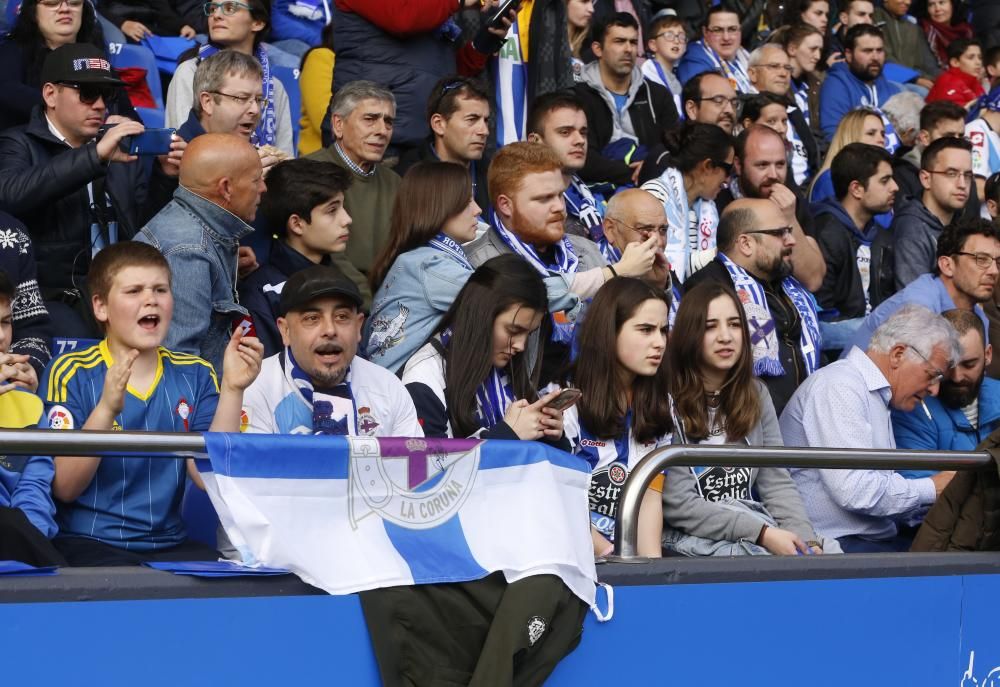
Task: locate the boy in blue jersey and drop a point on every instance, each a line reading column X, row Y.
column 26, row 508
column 122, row 510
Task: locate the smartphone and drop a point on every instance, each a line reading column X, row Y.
column 150, row 142
column 565, row 399
column 245, row 322
column 496, row 21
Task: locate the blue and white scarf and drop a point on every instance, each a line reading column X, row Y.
column 801, row 91
column 566, row 261
column 610, row 253
column 735, row 70
column 266, row 132
column 493, row 396
column 763, row 333
column 333, row 410
column 451, row 248
column 669, row 189
column 581, row 204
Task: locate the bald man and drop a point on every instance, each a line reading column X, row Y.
column 221, row 180
column 633, row 216
column 755, row 243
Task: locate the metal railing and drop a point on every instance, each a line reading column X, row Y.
column 627, row 522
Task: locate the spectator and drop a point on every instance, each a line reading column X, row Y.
column 304, row 205
column 624, row 411
column 472, row 378
column 946, row 176
column 961, row 82
column 458, row 112
column 903, row 112
column 992, row 200
column 138, row 19
column 846, row 405
column 858, row 81
column 114, row 511
column 579, row 14
column 51, row 169
column 28, row 314
column 761, row 171
column 942, row 26
column 718, row 401
column 963, row 278
column 627, row 114
column 666, row 43
column 26, row 508
column 863, row 125
column 905, row 43
column 804, row 45
column 558, row 121
column 755, row 258
column 967, row 407
column 314, row 86
column 299, row 26
column 700, row 162
column 635, row 216
column 937, row 120
column 991, row 64
column 815, row 13
column 719, row 49
column 198, row 232
column 318, row 384
column 240, row 27
column 709, row 98
column 363, row 118
column 852, row 13
column 982, row 133
column 42, row 27
column 858, row 251
column 766, row 109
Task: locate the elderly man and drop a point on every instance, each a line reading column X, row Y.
column 362, row 120
column 635, row 216
column 847, row 405
column 719, row 49
column 709, row 98
column 221, row 180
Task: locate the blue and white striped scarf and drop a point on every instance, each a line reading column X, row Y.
column 266, row 132
column 581, row 204
column 735, row 69
column 452, row 249
column 493, row 396
column 566, row 261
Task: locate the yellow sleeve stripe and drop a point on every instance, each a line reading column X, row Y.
column 64, row 364
column 59, row 391
column 179, row 358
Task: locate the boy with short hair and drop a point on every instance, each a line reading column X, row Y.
column 666, row 42
column 26, row 507
column 121, row 510
column 304, row 205
column 961, row 82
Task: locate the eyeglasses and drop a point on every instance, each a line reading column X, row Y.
column 645, row 230
column 983, row 260
column 672, row 36
column 721, row 100
column 56, row 4
column 244, row 100
column 89, row 93
column 934, row 378
column 229, row 8
column 719, row 30
column 787, row 68
column 780, row 232
column 952, row 174
column 726, row 167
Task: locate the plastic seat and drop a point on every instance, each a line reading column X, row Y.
column 127, row 55
column 289, row 78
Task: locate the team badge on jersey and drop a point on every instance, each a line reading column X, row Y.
column 244, row 419
column 59, row 417
column 183, row 412
column 367, row 424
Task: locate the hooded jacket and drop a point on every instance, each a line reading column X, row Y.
column 842, row 92
column 916, row 231
column 842, row 292
column 648, row 113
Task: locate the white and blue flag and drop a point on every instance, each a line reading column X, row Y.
column 348, row 514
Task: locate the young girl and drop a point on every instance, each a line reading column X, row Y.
column 624, row 412
column 465, row 379
column 717, row 400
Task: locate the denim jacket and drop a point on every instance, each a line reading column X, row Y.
column 200, row 241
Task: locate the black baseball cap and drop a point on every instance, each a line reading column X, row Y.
column 313, row 282
column 79, row 63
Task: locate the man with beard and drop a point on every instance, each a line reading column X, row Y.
column 719, row 49
column 317, row 384
column 966, row 409
column 627, row 114
column 857, row 81
column 761, row 169
column 968, row 255
column 709, row 98
column 756, row 245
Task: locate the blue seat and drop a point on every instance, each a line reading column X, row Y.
column 289, row 78
column 199, row 515
column 128, row 55
column 152, row 117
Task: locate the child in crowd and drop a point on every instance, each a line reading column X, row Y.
column 304, row 206
column 472, row 377
column 26, row 508
column 961, row 82
column 624, row 412
column 726, row 510
column 666, row 42
column 126, row 510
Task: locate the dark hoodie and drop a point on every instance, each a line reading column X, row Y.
column 842, row 295
column 916, row 232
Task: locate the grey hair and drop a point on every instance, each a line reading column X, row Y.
column 758, row 53
column 920, row 329
column 212, row 72
column 903, row 109
column 350, row 96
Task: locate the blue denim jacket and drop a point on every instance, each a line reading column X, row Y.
column 200, row 241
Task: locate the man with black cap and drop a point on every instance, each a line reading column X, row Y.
column 75, row 190
column 317, row 385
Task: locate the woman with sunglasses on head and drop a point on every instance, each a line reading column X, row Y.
column 472, row 378
column 41, row 27
column 624, row 410
column 717, row 401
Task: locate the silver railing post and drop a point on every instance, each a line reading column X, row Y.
column 51, row 442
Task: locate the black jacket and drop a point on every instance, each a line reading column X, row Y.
column 797, row 120
column 32, row 326
column 425, row 153
column 43, row 182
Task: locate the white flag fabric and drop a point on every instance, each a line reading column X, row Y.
column 348, row 514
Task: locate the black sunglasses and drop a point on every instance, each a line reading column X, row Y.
column 89, row 93
column 726, row 167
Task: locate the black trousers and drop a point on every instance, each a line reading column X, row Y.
column 21, row 541
column 83, row 552
column 479, row 633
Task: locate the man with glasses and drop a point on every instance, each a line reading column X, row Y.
column 65, row 175
column 755, row 258
column 847, row 405
column 709, row 98
column 635, row 216
column 719, row 49
column 937, row 120
column 946, row 177
column 964, row 277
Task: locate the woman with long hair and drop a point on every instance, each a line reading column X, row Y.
column 861, row 125
column 579, row 14
column 624, row 412
column 717, row 400
column 945, row 21
column 804, row 45
column 472, row 377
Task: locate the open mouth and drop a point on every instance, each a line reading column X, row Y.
column 149, row 322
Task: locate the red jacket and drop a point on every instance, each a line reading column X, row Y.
column 956, row 86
